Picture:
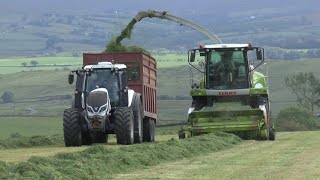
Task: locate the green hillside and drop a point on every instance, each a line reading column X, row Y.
column 172, row 82
column 43, row 94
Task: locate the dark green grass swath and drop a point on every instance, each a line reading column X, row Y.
column 18, row 141
column 100, row 162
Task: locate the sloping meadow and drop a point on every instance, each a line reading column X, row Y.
column 100, row 161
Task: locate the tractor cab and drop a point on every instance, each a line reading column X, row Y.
column 112, row 77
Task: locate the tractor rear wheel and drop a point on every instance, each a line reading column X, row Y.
column 138, row 118
column 72, row 128
column 124, row 125
column 148, row 130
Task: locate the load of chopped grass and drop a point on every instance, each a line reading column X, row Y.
column 115, row 44
column 18, row 141
column 100, row 162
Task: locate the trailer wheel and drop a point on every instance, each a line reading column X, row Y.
column 182, row 135
column 124, row 125
column 72, row 128
column 98, row 137
column 148, row 130
column 138, row 118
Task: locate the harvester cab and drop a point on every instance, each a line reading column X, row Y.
column 228, row 94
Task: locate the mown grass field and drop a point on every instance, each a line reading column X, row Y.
column 22, row 152
column 294, row 155
column 100, row 162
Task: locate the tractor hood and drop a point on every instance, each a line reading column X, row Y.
column 98, row 103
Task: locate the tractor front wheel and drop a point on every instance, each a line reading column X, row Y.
column 124, row 125
column 72, row 128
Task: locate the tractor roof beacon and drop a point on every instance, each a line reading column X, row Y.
column 230, row 95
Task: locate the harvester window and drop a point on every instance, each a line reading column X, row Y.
column 227, row 70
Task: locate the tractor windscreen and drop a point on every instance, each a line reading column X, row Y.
column 104, row 78
column 227, row 69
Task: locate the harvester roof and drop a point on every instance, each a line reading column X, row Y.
column 227, row 46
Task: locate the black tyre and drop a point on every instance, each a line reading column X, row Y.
column 98, row 137
column 124, row 125
column 86, row 139
column 182, row 135
column 148, row 130
column 272, row 135
column 138, row 118
column 72, row 128
column 264, row 101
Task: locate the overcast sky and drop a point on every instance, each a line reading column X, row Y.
column 214, row 5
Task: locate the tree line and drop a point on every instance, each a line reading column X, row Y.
column 306, row 87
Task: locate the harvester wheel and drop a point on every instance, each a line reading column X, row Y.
column 124, row 125
column 138, row 118
column 272, row 135
column 264, row 101
column 148, row 130
column 72, row 128
column 98, row 137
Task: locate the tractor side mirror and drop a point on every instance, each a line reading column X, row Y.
column 71, row 78
column 259, row 54
column 192, row 56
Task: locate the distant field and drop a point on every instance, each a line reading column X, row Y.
column 14, row 65
column 8, row 66
column 171, row 60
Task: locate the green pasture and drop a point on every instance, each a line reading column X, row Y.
column 30, row 126
column 172, row 82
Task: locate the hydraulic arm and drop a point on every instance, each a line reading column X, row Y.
column 165, row 15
